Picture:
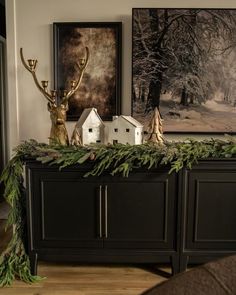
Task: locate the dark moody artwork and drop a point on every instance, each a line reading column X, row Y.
column 184, row 64
column 100, row 86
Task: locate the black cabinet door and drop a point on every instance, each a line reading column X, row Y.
column 210, row 207
column 140, row 211
column 63, row 210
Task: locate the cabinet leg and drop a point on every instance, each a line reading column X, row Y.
column 154, row 268
column 183, row 263
column 174, row 265
column 33, row 257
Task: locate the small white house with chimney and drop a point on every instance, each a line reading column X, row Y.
column 123, row 129
column 90, row 127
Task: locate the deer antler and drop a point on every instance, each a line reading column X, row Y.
column 31, row 67
column 82, row 64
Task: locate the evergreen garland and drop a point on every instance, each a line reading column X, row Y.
column 14, row 261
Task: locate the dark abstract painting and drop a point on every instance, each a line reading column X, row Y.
column 100, row 86
column 184, row 64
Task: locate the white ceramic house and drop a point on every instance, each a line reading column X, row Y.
column 123, row 129
column 90, row 127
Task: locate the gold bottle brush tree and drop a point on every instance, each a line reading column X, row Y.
column 57, row 100
column 155, row 130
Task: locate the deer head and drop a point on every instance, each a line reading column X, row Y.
column 57, row 101
column 58, row 132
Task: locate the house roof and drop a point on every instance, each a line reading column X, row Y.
column 132, row 121
column 85, row 114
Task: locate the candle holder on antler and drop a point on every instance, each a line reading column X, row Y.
column 57, row 100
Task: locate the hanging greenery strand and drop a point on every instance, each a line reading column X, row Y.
column 122, row 159
column 14, row 261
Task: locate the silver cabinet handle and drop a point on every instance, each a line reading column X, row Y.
column 100, row 211
column 106, row 211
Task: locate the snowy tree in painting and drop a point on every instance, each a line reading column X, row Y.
column 183, row 64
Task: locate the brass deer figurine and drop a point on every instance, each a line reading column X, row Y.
column 57, row 108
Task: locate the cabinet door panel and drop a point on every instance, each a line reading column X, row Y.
column 141, row 212
column 211, row 207
column 67, row 210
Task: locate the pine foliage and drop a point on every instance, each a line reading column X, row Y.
column 113, row 159
column 14, row 262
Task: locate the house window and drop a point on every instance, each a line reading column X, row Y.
column 127, row 130
column 137, row 133
column 115, row 141
column 116, row 129
column 98, row 141
column 90, row 129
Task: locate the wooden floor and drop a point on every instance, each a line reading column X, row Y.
column 86, row 280
column 67, row 279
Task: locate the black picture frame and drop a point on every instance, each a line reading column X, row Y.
column 216, row 113
column 101, row 83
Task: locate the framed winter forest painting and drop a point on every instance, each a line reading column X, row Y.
column 184, row 63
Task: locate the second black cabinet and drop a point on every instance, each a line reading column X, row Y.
column 209, row 206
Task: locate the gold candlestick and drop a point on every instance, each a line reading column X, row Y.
column 32, row 63
column 72, row 84
column 81, row 62
column 44, row 84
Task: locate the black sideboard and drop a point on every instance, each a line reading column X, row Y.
column 149, row 217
